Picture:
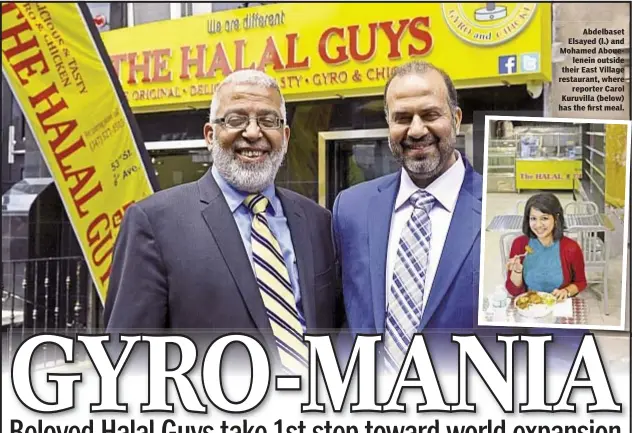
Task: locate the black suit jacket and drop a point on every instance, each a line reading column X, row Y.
column 180, row 264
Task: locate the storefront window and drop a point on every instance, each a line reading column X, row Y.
column 306, row 119
column 174, row 168
column 149, row 12
column 299, row 172
column 189, row 9
column 173, row 126
column 353, row 161
column 102, row 15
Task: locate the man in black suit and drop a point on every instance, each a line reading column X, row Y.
column 231, row 252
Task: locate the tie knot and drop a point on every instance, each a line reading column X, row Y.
column 422, row 199
column 257, row 203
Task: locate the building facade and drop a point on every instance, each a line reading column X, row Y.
column 332, row 64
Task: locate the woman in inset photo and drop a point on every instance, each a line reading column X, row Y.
column 543, row 259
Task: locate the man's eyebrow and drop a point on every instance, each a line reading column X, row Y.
column 267, row 111
column 235, row 111
column 403, row 111
column 400, row 113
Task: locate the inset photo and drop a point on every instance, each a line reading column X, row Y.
column 555, row 241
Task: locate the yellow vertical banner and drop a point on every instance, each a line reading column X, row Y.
column 56, row 65
column 616, row 157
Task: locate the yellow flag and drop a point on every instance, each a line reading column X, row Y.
column 55, row 63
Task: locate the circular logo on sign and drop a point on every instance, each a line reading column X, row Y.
column 487, row 23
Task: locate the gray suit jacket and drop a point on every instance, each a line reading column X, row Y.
column 180, row 264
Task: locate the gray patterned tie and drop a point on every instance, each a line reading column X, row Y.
column 405, row 298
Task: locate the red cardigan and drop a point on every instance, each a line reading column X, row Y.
column 571, row 257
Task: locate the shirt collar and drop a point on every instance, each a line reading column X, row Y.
column 445, row 189
column 235, row 197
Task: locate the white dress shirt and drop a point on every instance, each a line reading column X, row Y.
column 445, row 189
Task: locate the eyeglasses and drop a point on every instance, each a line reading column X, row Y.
column 241, row 121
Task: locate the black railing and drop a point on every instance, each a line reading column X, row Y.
column 48, row 295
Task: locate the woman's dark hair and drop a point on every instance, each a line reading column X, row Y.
column 549, row 204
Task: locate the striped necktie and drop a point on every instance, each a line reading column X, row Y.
column 275, row 288
column 405, row 299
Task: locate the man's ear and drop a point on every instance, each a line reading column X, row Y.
column 286, row 132
column 208, row 135
column 458, row 116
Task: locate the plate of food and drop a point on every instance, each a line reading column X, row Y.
column 535, row 304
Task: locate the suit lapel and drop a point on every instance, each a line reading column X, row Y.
column 464, row 228
column 221, row 223
column 379, row 222
column 301, row 240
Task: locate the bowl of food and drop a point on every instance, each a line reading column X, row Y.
column 534, row 304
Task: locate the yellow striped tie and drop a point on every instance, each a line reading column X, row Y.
column 276, row 289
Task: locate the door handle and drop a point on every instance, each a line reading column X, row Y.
column 11, row 146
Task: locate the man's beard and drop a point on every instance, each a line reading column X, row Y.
column 430, row 165
column 247, row 176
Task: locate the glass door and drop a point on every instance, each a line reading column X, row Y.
column 178, row 162
column 177, row 167
column 347, row 158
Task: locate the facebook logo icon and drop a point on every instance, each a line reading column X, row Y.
column 507, row 65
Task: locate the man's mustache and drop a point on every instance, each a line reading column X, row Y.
column 426, row 140
column 258, row 145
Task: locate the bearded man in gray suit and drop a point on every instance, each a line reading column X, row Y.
column 231, row 252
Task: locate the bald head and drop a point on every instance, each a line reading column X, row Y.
column 247, row 77
column 422, row 68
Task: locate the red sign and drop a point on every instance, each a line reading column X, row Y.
column 153, row 64
column 100, row 20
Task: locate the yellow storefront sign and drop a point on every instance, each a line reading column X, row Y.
column 548, row 174
column 52, row 64
column 319, row 51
